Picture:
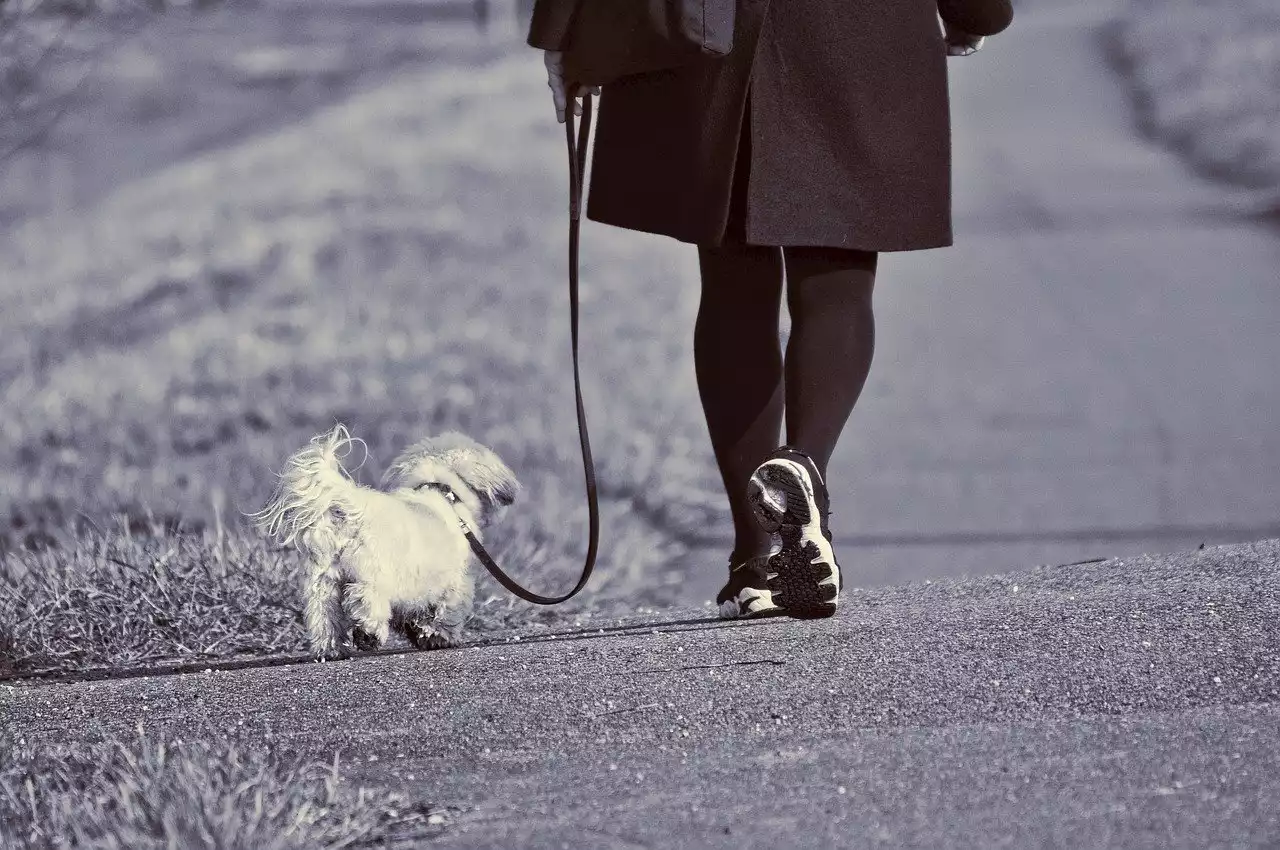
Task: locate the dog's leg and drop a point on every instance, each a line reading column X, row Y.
column 326, row 621
column 371, row 613
column 422, row 633
column 415, row 624
column 452, row 614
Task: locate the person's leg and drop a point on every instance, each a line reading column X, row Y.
column 738, row 362
column 831, row 344
column 828, row 358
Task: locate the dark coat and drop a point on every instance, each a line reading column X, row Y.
column 849, row 122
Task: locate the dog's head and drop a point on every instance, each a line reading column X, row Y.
column 476, row 475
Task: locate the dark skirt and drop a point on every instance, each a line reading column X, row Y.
column 828, row 124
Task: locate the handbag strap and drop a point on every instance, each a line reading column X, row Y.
column 577, row 166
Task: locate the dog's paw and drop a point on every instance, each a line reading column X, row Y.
column 435, row 640
column 426, row 637
column 364, row 641
column 332, row 652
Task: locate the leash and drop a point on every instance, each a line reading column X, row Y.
column 577, row 165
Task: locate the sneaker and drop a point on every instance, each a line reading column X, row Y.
column 747, row 596
column 789, row 498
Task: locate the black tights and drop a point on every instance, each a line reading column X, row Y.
column 740, row 368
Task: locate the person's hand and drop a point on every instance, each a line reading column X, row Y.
column 961, row 43
column 560, row 90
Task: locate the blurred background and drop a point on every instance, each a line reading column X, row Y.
column 226, row 224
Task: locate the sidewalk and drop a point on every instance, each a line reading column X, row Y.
column 1119, row 704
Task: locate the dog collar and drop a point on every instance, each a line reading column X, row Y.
column 451, row 496
column 443, row 488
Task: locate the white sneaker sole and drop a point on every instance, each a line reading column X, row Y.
column 803, row 576
column 749, row 604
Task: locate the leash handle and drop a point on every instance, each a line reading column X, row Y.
column 577, row 167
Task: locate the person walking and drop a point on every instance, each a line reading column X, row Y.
column 819, row 141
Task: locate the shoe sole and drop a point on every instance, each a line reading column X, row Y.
column 803, row 577
column 739, row 608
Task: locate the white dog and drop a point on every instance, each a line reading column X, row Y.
column 395, row 555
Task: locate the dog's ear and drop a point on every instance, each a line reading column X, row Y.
column 451, row 454
column 507, row 494
column 486, row 474
column 481, row 468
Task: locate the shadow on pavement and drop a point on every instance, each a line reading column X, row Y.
column 665, row 626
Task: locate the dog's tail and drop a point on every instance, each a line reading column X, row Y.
column 313, row 493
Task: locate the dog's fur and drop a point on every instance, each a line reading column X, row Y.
column 389, row 556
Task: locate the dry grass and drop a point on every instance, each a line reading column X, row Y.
column 1207, row 76
column 148, row 794
column 126, row 599
column 396, row 263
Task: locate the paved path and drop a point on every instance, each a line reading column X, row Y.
column 1124, row 704
column 1090, row 371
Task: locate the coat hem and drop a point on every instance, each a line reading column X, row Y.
column 813, row 240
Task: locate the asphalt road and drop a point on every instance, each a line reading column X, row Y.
column 1126, row 703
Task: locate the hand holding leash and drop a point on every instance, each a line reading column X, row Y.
column 961, row 43
column 560, row 91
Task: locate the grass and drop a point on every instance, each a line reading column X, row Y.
column 125, row 598
column 149, row 794
column 395, row 262
column 1207, row 78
